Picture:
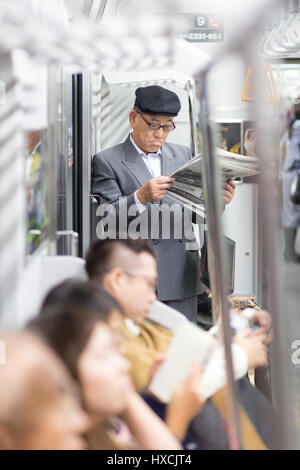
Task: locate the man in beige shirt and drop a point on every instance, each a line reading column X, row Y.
column 127, row 269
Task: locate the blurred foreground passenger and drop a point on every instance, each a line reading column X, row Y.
column 38, row 407
column 73, row 322
column 291, row 165
column 127, row 269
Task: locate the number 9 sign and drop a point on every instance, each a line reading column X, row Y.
column 200, row 21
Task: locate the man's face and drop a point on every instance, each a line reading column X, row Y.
column 58, row 422
column 149, row 140
column 104, row 374
column 135, row 290
column 44, row 412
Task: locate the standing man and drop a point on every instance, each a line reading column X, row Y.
column 134, row 177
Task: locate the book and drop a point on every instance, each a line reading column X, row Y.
column 189, row 343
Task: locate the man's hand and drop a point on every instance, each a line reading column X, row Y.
column 228, row 191
column 254, row 346
column 155, row 189
column 160, row 359
column 264, row 319
column 186, row 402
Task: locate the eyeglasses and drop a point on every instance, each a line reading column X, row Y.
column 155, row 127
column 146, row 278
column 132, row 273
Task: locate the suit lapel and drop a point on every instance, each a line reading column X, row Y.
column 134, row 162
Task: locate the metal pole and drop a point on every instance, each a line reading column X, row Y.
column 85, row 163
column 52, row 156
column 215, row 255
column 191, row 91
column 269, row 226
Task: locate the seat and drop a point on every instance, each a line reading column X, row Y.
column 166, row 316
column 55, row 269
column 42, row 274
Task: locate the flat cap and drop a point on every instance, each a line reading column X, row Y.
column 157, row 100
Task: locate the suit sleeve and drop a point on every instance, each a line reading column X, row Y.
column 105, row 185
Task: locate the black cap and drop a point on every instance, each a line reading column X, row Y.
column 157, row 100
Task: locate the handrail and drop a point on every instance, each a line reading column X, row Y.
column 283, row 38
column 216, row 255
column 292, row 10
column 276, row 41
column 240, row 44
column 268, row 47
column 294, row 14
column 247, row 92
column 191, row 91
column 270, row 90
column 87, row 46
column 278, row 26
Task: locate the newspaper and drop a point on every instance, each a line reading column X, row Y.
column 189, row 343
column 188, row 186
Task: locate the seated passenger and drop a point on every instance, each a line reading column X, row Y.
column 38, row 407
column 127, row 269
column 73, row 322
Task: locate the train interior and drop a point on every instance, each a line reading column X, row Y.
column 68, row 73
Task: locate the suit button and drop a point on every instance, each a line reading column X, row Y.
column 155, row 242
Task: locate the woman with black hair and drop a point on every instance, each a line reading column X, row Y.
column 73, row 321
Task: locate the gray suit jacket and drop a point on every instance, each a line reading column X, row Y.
column 119, row 171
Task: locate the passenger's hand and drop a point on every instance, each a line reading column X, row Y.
column 160, row 359
column 264, row 319
column 186, row 402
column 228, row 191
column 155, row 189
column 254, row 346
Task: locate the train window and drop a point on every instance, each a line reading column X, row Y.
column 34, row 101
column 36, row 193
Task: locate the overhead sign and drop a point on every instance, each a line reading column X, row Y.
column 204, row 28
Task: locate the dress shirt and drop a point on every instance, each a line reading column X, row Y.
column 153, row 163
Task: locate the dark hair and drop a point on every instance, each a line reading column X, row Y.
column 77, row 293
column 68, row 317
column 296, row 110
column 98, row 257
